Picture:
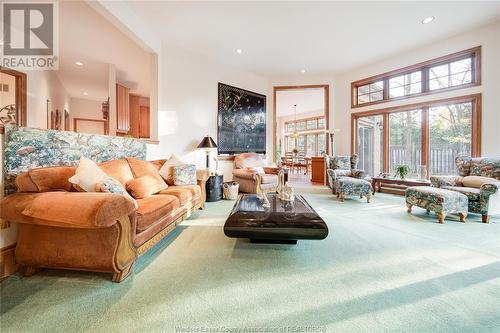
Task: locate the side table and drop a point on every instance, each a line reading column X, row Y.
column 213, row 188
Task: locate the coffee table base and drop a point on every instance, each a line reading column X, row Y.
column 273, row 241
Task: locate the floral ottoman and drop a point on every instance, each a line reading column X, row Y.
column 439, row 200
column 353, row 186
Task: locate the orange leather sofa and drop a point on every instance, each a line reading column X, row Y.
column 104, row 232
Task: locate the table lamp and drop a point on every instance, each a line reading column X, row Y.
column 207, row 143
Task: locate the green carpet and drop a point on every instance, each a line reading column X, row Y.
column 379, row 270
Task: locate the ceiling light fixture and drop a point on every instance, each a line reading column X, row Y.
column 303, row 71
column 428, row 19
column 239, row 51
column 85, row 93
column 79, row 63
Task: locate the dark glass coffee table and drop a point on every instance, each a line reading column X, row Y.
column 283, row 222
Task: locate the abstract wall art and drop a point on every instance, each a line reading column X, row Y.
column 241, row 121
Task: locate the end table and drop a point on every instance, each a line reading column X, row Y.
column 213, row 188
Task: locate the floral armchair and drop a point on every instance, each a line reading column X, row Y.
column 479, row 180
column 342, row 166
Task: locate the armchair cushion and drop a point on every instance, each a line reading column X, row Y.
column 65, row 209
column 358, row 173
column 272, row 170
column 476, row 181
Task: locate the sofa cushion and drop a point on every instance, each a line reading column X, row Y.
column 118, row 169
column 87, row 175
column 485, row 167
column 476, row 181
column 145, row 186
column 472, row 193
column 154, row 208
column 167, row 169
column 111, row 185
column 142, row 168
column 269, row 179
column 185, row 174
column 185, row 193
column 52, row 178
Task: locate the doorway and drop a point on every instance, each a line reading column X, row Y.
column 301, row 124
column 12, row 98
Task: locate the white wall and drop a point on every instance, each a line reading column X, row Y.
column 340, row 106
column 88, row 109
column 188, row 104
column 487, row 37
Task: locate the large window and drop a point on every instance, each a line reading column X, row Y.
column 306, row 135
column 423, row 136
column 450, row 136
column 370, row 144
column 405, row 140
column 458, row 70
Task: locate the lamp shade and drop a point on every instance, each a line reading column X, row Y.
column 207, row 142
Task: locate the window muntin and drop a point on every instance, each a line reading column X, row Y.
column 307, row 124
column 449, row 72
column 371, row 92
column 405, row 85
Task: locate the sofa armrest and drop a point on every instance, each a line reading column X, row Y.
column 66, row 209
column 245, row 173
column 488, row 189
column 441, row 181
column 201, row 179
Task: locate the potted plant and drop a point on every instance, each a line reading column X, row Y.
column 402, row 171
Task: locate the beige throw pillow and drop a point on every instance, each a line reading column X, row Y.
column 476, row 181
column 87, row 176
column 167, row 169
column 145, row 186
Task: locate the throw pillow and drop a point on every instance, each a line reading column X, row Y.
column 145, row 186
column 167, row 169
column 185, row 174
column 342, row 162
column 111, row 185
column 87, row 176
column 476, row 181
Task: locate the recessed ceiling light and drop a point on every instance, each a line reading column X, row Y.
column 428, row 19
column 239, row 51
column 303, row 71
column 85, row 93
column 79, row 63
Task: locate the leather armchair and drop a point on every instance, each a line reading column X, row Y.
column 248, row 167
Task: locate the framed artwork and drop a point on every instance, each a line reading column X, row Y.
column 241, row 123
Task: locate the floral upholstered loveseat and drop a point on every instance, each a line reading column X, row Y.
column 342, row 166
column 479, row 180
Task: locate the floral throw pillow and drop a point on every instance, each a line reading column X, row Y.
column 342, row 162
column 185, row 174
column 111, row 185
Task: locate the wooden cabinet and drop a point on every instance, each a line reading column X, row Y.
column 318, row 169
column 122, row 109
column 139, row 116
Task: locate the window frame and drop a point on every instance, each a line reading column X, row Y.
column 473, row 53
column 475, row 99
column 304, row 120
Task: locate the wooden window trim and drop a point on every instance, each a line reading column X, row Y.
column 21, row 96
column 474, row 52
column 304, row 120
column 475, row 99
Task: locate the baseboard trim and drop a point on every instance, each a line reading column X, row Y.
column 8, row 265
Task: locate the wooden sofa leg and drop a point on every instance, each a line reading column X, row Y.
column 120, row 276
column 441, row 217
column 485, row 218
column 463, row 216
column 409, row 207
